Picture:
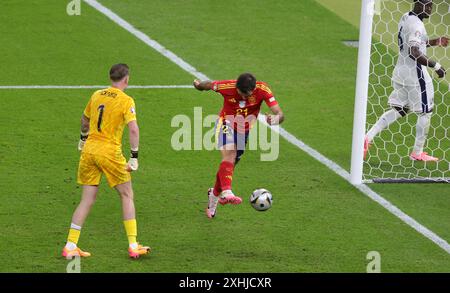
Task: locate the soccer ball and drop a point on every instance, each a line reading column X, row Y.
column 261, row 199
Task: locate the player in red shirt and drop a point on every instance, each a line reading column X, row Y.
column 242, row 102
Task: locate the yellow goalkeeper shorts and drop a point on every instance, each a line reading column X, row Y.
column 92, row 166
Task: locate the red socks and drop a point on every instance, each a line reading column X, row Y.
column 217, row 189
column 224, row 177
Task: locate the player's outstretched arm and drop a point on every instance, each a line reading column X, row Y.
column 84, row 132
column 441, row 42
column 205, row 85
column 133, row 129
column 277, row 117
column 420, row 58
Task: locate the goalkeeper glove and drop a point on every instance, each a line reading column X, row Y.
column 83, row 138
column 133, row 162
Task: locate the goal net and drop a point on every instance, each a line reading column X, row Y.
column 388, row 158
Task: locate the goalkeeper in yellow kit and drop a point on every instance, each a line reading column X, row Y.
column 102, row 123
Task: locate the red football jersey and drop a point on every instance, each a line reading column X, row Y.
column 235, row 105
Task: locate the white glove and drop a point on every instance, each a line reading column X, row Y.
column 437, row 66
column 83, row 138
column 133, row 164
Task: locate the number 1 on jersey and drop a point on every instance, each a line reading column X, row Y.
column 100, row 117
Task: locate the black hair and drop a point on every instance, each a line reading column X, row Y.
column 246, row 82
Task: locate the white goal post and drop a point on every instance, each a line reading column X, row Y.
column 362, row 88
column 388, row 159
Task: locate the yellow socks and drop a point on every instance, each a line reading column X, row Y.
column 131, row 229
column 75, row 230
column 74, row 235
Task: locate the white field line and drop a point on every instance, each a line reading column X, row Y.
column 288, row 136
column 146, row 39
column 25, row 87
column 362, row 187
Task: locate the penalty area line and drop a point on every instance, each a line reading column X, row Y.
column 26, row 87
column 285, row 134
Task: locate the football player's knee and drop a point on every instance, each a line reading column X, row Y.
column 402, row 110
column 234, row 156
column 230, row 155
column 127, row 194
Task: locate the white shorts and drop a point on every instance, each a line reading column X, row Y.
column 419, row 99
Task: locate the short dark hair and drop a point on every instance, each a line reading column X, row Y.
column 246, row 82
column 118, row 71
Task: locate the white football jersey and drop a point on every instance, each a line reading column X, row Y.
column 411, row 33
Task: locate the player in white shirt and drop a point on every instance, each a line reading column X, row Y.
column 413, row 86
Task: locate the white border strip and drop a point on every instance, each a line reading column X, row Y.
column 24, row 87
column 288, row 136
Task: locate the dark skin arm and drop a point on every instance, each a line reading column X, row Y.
column 420, row 58
column 441, row 42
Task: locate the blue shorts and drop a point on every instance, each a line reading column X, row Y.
column 225, row 134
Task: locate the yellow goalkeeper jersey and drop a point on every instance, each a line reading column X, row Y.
column 109, row 110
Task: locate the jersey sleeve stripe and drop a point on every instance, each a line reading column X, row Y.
column 264, row 88
column 226, row 88
column 226, row 85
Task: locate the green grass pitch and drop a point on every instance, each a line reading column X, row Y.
column 318, row 223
